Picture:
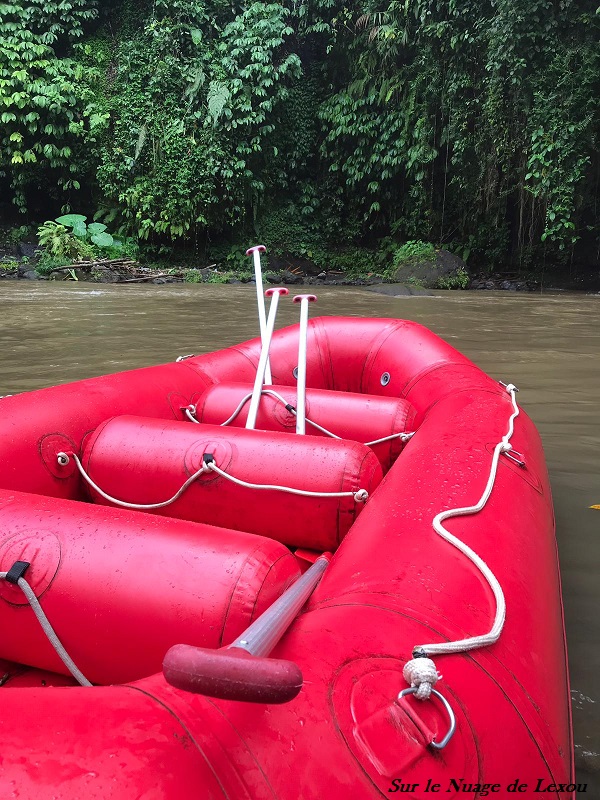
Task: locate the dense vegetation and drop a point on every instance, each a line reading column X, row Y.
column 318, row 127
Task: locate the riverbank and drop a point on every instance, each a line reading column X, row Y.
column 415, row 278
column 19, row 270
column 374, row 282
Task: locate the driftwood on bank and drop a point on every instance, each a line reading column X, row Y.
column 151, row 277
column 126, row 270
column 100, row 264
column 106, row 263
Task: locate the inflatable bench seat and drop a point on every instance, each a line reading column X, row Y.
column 142, row 460
column 349, row 415
column 121, row 587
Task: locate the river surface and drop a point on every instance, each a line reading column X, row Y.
column 548, row 345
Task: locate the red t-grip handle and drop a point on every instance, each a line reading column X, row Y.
column 242, row 671
column 232, row 673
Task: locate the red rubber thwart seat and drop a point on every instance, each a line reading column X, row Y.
column 168, row 453
column 118, row 602
column 349, row 415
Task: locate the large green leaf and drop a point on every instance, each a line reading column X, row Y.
column 102, row 239
column 80, row 230
column 71, row 220
column 96, row 227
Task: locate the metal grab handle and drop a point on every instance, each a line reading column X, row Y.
column 242, row 671
column 451, row 717
column 304, row 300
column 262, row 316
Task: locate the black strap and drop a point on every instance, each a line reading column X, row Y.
column 18, row 569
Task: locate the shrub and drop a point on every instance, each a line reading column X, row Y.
column 458, row 280
column 59, row 243
column 192, row 276
column 81, row 241
column 413, row 251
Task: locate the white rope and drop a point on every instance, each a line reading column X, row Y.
column 318, row 427
column 190, row 411
column 420, row 672
column 138, row 506
column 404, row 436
column 360, row 495
column 49, row 630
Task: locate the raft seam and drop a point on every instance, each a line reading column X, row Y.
column 273, row 565
column 230, row 602
column 372, row 354
column 318, row 323
column 185, row 728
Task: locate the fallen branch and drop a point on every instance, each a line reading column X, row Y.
column 105, row 263
column 147, row 278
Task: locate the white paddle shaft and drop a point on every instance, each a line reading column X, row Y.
column 262, row 317
column 264, row 356
column 304, row 300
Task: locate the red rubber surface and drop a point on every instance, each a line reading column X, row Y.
column 391, row 585
column 360, row 417
column 168, row 453
column 120, row 588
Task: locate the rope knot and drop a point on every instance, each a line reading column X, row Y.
column 361, row 496
column 208, row 463
column 422, row 676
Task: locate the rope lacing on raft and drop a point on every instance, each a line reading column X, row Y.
column 209, row 465
column 45, row 622
column 420, row 672
column 190, row 411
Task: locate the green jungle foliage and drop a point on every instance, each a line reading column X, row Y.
column 70, row 237
column 38, row 96
column 58, row 242
column 317, row 127
column 414, row 251
column 460, row 280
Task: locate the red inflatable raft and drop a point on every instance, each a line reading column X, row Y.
column 154, row 552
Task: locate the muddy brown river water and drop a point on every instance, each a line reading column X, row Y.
column 548, row 345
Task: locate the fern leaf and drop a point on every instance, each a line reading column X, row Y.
column 218, row 96
column 141, row 141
